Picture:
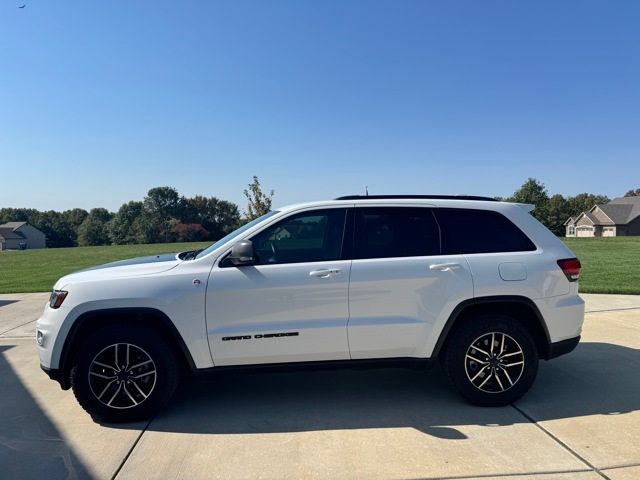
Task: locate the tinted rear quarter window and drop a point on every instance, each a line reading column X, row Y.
column 479, row 231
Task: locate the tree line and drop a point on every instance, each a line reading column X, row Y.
column 554, row 210
column 166, row 216
column 162, row 216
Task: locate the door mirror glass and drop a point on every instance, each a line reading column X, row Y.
column 242, row 253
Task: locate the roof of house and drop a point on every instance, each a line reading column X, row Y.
column 591, row 217
column 622, row 210
column 13, row 225
column 9, row 234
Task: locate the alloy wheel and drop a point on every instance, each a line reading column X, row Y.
column 494, row 362
column 122, row 376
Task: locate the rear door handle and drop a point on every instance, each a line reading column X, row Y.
column 445, row 267
column 325, row 272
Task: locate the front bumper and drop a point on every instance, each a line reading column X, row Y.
column 48, row 328
column 57, row 375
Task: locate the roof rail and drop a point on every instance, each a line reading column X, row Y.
column 426, row 197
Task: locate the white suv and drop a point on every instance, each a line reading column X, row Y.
column 477, row 284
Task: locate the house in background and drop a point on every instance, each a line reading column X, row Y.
column 20, row 236
column 619, row 217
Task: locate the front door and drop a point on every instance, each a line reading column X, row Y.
column 292, row 304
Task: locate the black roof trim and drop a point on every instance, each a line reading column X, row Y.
column 425, row 197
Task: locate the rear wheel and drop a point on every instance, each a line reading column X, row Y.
column 124, row 374
column 491, row 360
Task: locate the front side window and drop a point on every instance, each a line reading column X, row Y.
column 313, row 236
column 387, row 232
column 479, row 231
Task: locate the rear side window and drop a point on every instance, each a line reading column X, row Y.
column 479, row 231
column 384, row 232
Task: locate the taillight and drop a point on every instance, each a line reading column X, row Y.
column 571, row 268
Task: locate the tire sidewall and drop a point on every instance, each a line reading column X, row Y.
column 454, row 360
column 153, row 344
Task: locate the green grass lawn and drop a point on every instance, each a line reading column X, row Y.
column 38, row 270
column 610, row 265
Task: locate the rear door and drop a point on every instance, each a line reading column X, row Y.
column 402, row 288
column 292, row 304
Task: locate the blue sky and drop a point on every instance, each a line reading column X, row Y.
column 100, row 101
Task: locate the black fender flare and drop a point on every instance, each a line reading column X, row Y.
column 109, row 314
column 495, row 299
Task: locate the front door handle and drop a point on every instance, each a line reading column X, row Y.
column 445, row 267
column 325, row 272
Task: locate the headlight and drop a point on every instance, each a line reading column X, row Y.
column 56, row 298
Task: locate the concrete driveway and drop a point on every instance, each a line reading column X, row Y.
column 580, row 421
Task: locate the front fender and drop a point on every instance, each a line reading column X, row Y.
column 181, row 305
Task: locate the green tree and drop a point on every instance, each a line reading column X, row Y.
column 189, row 232
column 533, row 191
column 145, row 229
column 557, row 214
column 121, row 229
column 94, row 229
column 633, row 193
column 58, row 231
column 162, row 205
column 150, row 221
column 583, row 202
column 74, row 218
column 19, row 215
column 258, row 203
column 163, row 201
column 218, row 217
column 51, row 223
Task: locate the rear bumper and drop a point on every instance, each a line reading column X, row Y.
column 565, row 346
column 563, row 316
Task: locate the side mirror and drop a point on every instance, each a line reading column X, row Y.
column 242, row 253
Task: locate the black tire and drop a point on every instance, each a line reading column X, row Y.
column 155, row 381
column 466, row 366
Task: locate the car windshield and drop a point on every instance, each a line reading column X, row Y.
column 235, row 233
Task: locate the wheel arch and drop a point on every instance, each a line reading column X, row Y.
column 94, row 319
column 523, row 309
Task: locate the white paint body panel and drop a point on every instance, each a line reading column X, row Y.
column 378, row 308
column 170, row 290
column 284, row 298
column 399, row 305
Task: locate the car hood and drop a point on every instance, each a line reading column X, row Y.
column 124, row 268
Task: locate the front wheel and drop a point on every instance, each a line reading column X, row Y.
column 491, row 360
column 124, row 374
